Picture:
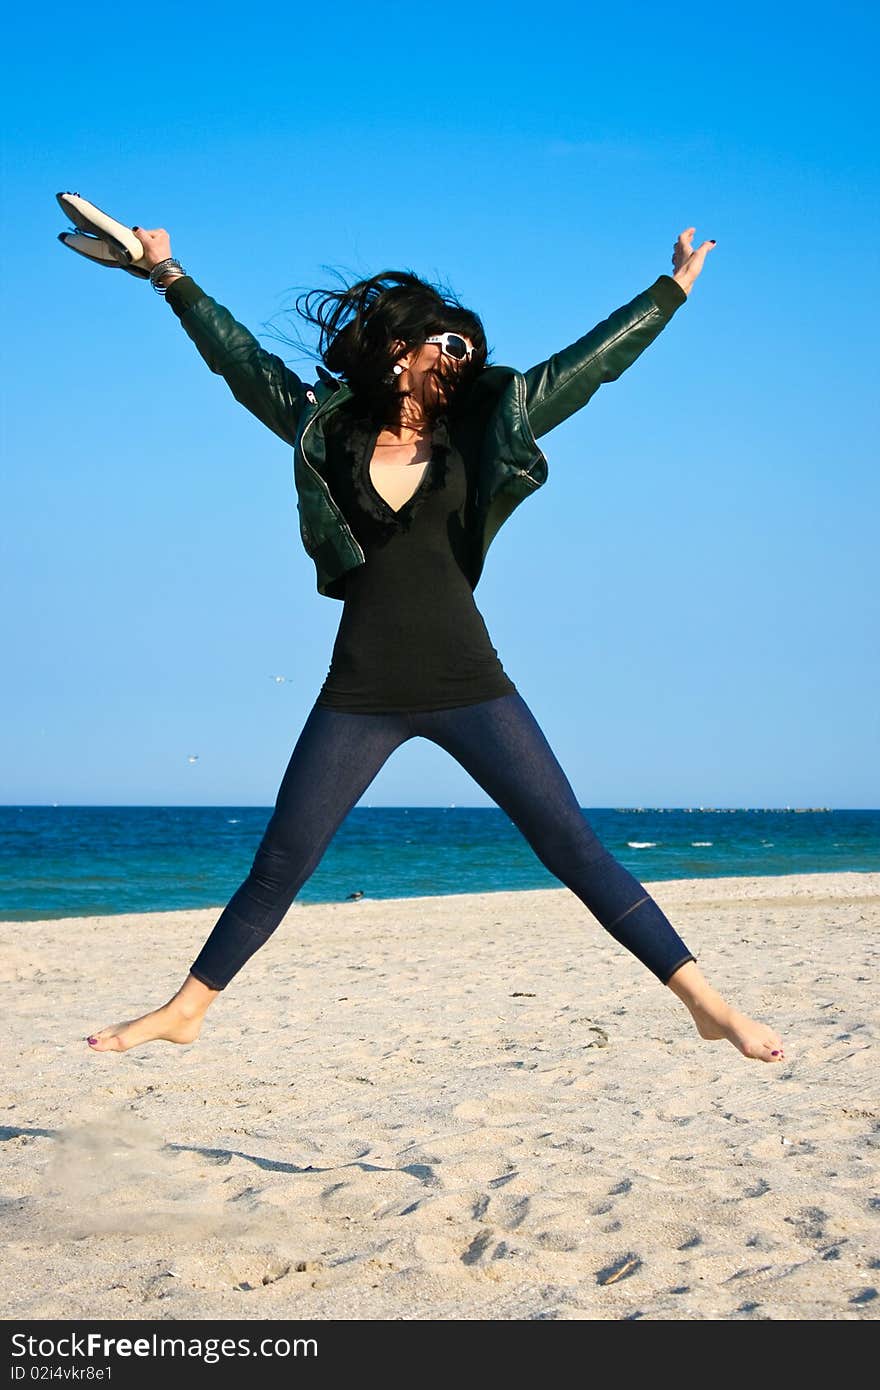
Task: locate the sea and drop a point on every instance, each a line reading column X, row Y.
column 74, row 861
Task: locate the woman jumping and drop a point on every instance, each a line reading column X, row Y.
column 407, row 462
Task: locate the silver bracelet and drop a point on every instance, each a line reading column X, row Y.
column 161, row 269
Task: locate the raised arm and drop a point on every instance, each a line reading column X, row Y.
column 563, row 383
column 558, row 387
column 257, row 378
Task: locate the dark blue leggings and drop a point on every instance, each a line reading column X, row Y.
column 501, row 745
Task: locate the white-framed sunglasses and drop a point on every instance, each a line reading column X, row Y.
column 454, row 345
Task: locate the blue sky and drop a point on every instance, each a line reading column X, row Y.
column 690, row 603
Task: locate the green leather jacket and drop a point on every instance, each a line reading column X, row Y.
column 516, row 408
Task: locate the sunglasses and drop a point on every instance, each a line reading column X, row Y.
column 454, row 345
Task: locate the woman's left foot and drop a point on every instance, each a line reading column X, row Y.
column 718, row 1020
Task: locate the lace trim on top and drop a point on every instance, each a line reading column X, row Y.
column 383, row 521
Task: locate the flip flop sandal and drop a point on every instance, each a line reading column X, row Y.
column 101, row 238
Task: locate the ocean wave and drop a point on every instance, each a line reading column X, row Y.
column 642, row 844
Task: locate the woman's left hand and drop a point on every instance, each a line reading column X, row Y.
column 686, row 262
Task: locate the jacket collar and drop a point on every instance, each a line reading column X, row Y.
column 333, row 393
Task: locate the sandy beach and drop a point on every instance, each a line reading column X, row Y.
column 476, row 1106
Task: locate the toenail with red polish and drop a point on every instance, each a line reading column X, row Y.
column 774, row 1054
column 91, row 1040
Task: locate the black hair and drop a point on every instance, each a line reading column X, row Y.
column 362, row 325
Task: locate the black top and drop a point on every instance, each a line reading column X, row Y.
column 410, row 636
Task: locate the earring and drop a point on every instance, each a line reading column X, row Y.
column 397, row 369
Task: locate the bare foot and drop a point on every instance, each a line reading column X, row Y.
column 719, row 1020
column 716, row 1019
column 170, row 1024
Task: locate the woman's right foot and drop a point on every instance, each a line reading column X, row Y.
column 168, row 1024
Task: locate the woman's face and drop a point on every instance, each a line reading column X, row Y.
column 430, row 373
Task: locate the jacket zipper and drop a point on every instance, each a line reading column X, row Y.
column 326, row 489
column 521, row 396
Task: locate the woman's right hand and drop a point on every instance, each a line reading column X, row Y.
column 157, row 247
